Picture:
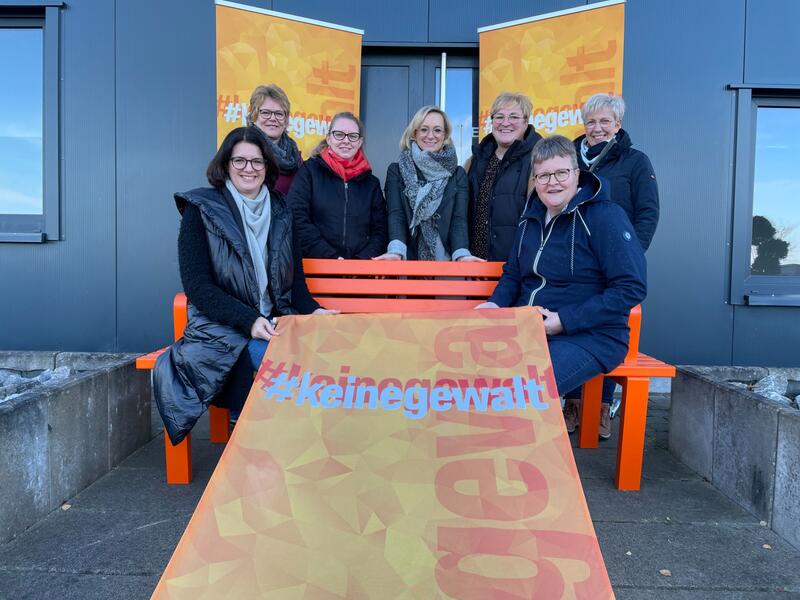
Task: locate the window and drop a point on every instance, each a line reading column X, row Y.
column 766, row 250
column 29, row 124
column 460, row 102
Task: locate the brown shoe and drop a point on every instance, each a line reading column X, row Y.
column 605, row 421
column 571, row 416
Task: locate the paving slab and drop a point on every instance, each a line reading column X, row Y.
column 100, row 542
column 205, row 456
column 699, row 556
column 36, row 585
column 599, row 463
column 662, row 501
column 675, row 594
column 142, row 490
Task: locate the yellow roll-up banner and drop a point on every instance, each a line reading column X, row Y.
column 417, row 455
column 317, row 64
column 558, row 60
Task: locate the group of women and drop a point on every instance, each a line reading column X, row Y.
column 572, row 241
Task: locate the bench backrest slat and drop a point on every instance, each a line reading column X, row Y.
column 373, row 286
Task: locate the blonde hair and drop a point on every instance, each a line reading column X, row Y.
column 263, row 92
column 507, row 98
column 323, row 143
column 600, row 101
column 416, row 122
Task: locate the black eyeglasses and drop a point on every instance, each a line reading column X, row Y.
column 340, row 135
column 240, row 163
column 561, row 176
column 268, row 114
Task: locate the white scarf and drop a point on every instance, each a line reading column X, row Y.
column 256, row 216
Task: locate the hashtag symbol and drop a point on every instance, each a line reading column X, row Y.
column 222, row 102
column 281, row 388
column 232, row 112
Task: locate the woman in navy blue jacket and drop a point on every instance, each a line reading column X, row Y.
column 606, row 150
column 577, row 257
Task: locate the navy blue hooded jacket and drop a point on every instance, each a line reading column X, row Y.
column 632, row 183
column 586, row 265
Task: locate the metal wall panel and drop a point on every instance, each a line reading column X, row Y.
column 766, row 335
column 678, row 57
column 61, row 295
column 772, row 45
column 456, row 21
column 166, row 86
column 381, row 20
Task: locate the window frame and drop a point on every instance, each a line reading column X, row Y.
column 39, row 228
column 746, row 288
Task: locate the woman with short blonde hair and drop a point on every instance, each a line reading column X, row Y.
column 498, row 177
column 269, row 112
column 426, row 193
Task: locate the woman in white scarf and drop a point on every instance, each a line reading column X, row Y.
column 426, row 194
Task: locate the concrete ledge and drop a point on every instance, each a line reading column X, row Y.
column 56, row 440
column 747, row 445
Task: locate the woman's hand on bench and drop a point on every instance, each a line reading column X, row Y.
column 388, row 256
column 486, row 305
column 326, row 311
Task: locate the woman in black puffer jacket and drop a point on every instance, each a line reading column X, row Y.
column 240, row 267
column 337, row 202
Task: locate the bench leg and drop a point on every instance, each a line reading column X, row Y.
column 179, row 460
column 628, row 475
column 589, row 427
column 219, row 421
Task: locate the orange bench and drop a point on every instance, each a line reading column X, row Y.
column 409, row 286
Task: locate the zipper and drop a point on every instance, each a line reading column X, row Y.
column 344, row 229
column 542, row 241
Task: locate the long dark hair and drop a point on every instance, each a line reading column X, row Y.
column 217, row 171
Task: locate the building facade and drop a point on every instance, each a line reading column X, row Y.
column 129, row 98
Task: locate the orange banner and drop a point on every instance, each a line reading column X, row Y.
column 396, row 456
column 318, row 65
column 558, row 60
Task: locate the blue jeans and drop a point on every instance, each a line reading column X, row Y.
column 256, row 350
column 572, row 365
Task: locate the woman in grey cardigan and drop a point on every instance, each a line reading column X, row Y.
column 426, row 194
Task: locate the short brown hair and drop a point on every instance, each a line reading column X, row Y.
column 550, row 147
column 218, row 168
column 263, row 92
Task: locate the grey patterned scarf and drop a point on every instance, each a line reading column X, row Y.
column 286, row 153
column 256, row 216
column 426, row 196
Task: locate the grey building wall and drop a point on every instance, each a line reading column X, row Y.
column 137, row 97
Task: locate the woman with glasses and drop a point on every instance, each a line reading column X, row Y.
column 606, row 150
column 576, row 256
column 337, row 201
column 240, row 267
column 269, row 111
column 498, row 177
column 426, row 194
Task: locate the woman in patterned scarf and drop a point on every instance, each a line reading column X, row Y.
column 426, row 194
column 269, row 113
